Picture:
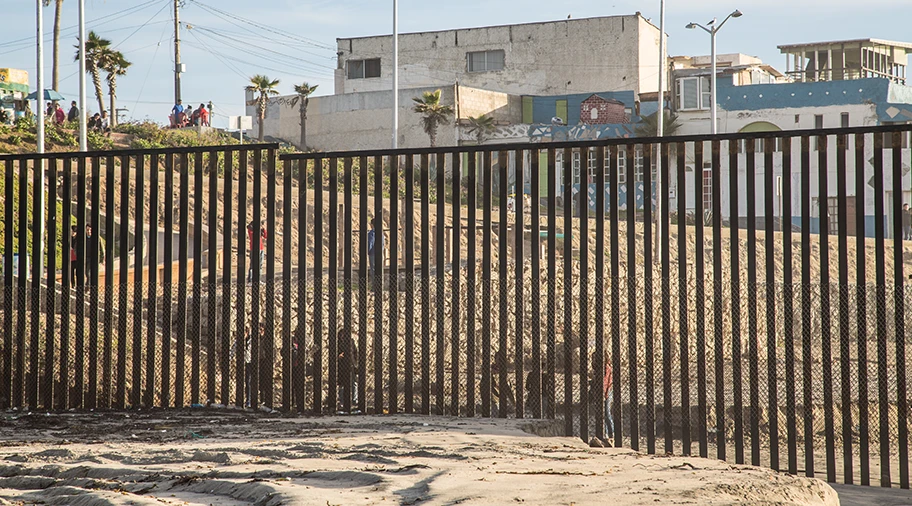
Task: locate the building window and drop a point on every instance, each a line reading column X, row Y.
column 576, row 167
column 760, row 145
column 818, row 121
column 845, row 120
column 707, row 186
column 638, row 165
column 797, row 118
column 622, row 165
column 693, row 93
column 485, row 61
column 364, row 69
column 833, row 215
column 888, row 139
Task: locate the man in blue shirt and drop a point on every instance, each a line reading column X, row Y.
column 177, row 109
column 372, row 241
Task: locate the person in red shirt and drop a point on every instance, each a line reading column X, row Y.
column 203, row 115
column 254, row 247
column 59, row 115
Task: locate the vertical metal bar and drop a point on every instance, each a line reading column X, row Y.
column 719, row 352
column 333, row 292
column 196, row 319
column 519, row 347
column 288, row 353
column 110, row 243
column 139, row 201
column 880, row 231
column 771, row 330
column 667, row 350
column 50, row 348
column 120, row 381
column 182, row 288
column 81, row 250
column 683, row 291
column 68, row 281
column 151, row 288
column 255, row 387
column 648, row 308
column 363, row 280
column 899, row 311
column 614, row 247
column 734, row 220
column 318, row 405
column 378, row 284
column 242, row 333
column 228, row 230
column 393, row 405
column 844, row 332
column 503, row 317
column 535, row 384
column 347, row 218
column 567, row 174
column 456, row 269
column 700, row 292
column 788, row 305
column 440, row 167
column 35, row 295
column 167, row 282
column 9, row 293
column 861, row 309
column 548, row 387
column 598, row 365
column 410, row 289
column 806, row 357
column 471, row 281
column 267, row 348
column 300, row 367
column 92, row 261
column 752, row 345
column 825, row 316
column 583, row 322
column 632, row 302
column 486, row 350
column 21, row 288
column 212, row 315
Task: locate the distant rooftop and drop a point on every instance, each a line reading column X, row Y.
column 854, row 42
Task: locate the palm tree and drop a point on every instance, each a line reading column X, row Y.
column 96, row 49
column 115, row 65
column 481, row 126
column 433, row 113
column 263, row 86
column 58, row 7
column 304, row 92
column 649, row 125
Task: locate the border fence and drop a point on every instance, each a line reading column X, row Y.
column 745, row 294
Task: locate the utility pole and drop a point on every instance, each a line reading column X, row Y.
column 83, row 132
column 395, row 74
column 38, row 242
column 660, row 131
column 177, row 52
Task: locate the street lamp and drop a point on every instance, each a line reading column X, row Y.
column 712, row 30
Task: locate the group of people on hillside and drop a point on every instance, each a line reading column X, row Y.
column 183, row 117
column 54, row 112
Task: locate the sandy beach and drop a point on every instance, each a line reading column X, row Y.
column 231, row 458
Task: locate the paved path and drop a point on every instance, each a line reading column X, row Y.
column 855, row 495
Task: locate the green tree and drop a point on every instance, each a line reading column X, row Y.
column 262, row 87
column 96, row 49
column 304, row 91
column 115, row 65
column 649, row 125
column 58, row 8
column 432, row 112
column 481, row 126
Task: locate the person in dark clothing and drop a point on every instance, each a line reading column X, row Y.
column 256, row 246
column 907, row 222
column 347, row 367
column 92, row 245
column 73, row 115
column 372, row 242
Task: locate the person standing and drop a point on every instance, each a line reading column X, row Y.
column 73, row 115
column 261, row 248
column 92, row 245
column 59, row 115
column 373, row 241
column 907, row 222
column 74, row 241
column 609, row 397
column 346, row 369
column 176, row 111
column 203, row 115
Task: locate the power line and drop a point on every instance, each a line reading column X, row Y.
column 243, row 49
column 257, row 65
column 263, row 48
column 140, row 27
column 255, row 24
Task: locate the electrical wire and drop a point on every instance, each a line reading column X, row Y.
column 245, row 50
column 230, row 41
column 260, row 26
column 141, row 27
column 148, row 72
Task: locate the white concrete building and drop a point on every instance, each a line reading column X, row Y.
column 613, row 53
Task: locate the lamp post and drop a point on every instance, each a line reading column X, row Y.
column 395, row 74
column 712, row 30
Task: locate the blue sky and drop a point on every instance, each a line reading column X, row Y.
column 220, row 51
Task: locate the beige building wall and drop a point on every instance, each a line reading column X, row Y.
column 359, row 121
column 557, row 57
